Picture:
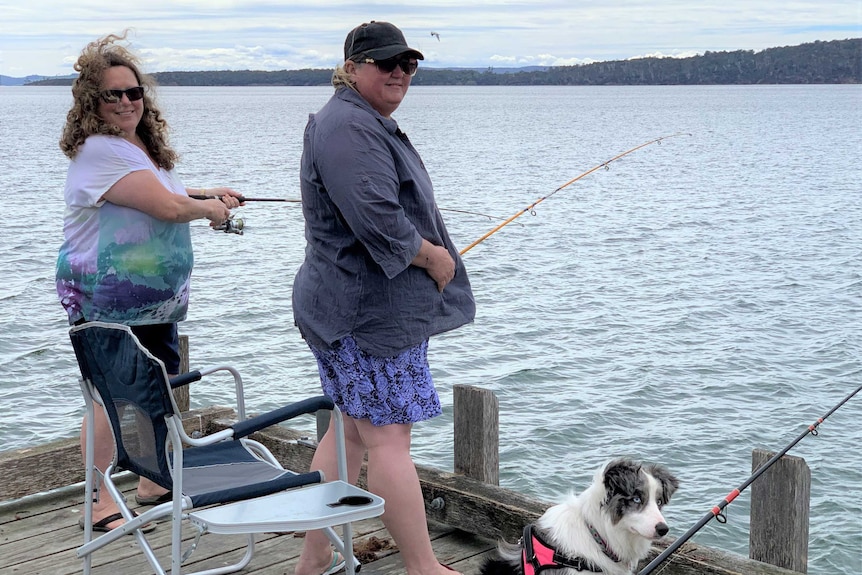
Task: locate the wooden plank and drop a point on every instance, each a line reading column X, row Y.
column 40, row 468
column 780, row 502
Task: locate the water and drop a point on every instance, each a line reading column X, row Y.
column 699, row 299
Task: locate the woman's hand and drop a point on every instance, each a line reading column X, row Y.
column 229, row 196
column 437, row 261
column 216, row 211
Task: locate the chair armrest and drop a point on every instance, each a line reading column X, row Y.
column 185, row 379
column 264, row 420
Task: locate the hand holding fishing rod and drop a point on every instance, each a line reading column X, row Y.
column 230, row 199
column 717, row 510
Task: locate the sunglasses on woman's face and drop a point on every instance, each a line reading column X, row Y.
column 114, row 96
column 407, row 65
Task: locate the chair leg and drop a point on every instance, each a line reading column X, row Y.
column 89, row 488
column 238, row 566
column 344, row 545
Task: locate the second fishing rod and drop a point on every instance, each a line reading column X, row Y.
column 717, row 510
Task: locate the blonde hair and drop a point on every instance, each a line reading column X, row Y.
column 83, row 118
column 341, row 77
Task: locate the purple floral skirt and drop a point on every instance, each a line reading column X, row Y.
column 384, row 390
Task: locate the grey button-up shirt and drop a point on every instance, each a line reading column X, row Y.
column 368, row 202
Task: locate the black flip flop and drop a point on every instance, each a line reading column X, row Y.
column 102, row 525
column 163, row 498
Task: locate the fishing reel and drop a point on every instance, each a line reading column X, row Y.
column 231, row 225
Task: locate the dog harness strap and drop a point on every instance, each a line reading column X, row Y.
column 537, row 556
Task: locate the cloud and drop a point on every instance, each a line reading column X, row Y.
column 45, row 36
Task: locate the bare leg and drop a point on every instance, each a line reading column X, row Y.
column 316, row 553
column 392, row 475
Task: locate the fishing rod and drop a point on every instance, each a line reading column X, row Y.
column 237, row 225
column 717, row 510
column 243, row 199
column 570, row 182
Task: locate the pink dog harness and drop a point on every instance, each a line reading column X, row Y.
column 537, row 555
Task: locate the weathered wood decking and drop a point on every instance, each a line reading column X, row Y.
column 39, row 533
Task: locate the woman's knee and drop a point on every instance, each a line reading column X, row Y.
column 392, row 436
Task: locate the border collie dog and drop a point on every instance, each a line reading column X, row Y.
column 608, row 528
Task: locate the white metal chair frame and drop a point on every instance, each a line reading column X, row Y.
column 237, row 515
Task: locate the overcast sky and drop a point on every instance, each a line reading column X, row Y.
column 45, row 36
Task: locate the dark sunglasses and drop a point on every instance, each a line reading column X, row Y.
column 114, row 96
column 387, row 66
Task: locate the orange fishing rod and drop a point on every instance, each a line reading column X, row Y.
column 567, row 184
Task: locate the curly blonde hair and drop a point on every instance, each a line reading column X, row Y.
column 83, row 118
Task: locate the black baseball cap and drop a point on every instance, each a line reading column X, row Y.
column 378, row 40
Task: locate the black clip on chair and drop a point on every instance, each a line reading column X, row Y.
column 223, row 483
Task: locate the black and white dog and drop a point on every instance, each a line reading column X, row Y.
column 608, row 528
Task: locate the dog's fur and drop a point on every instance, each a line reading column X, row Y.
column 623, row 504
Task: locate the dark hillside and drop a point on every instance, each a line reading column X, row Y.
column 833, row 62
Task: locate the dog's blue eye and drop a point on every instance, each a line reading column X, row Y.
column 637, row 499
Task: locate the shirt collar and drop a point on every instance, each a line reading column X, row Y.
column 355, row 98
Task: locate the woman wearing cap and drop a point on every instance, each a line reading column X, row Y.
column 380, row 276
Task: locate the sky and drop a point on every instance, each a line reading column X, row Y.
column 44, row 37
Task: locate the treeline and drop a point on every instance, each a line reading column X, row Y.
column 832, row 62
column 835, row 62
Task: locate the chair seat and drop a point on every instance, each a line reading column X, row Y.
column 228, row 471
column 299, row 509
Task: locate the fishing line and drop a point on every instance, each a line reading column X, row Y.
column 716, row 511
column 567, row 184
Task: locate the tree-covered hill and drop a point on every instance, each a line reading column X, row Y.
column 832, row 62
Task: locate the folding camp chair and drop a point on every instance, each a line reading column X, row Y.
column 222, row 483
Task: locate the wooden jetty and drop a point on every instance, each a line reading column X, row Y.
column 467, row 512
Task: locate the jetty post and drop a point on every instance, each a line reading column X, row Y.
column 780, row 503
column 181, row 394
column 476, row 433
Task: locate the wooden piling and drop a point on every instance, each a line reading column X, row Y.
column 780, row 502
column 477, row 427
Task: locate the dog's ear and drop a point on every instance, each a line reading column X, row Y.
column 669, row 483
column 620, row 475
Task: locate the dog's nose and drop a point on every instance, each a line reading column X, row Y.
column 661, row 529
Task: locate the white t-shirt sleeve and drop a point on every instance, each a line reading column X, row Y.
column 101, row 162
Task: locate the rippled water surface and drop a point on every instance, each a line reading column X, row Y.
column 699, row 299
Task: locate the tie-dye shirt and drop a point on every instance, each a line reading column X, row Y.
column 119, row 264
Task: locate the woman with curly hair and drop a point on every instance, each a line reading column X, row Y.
column 127, row 256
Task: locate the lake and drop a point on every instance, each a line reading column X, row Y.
column 700, row 298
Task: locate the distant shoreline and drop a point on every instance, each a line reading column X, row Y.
column 820, row 62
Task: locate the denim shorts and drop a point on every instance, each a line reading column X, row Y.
column 384, row 390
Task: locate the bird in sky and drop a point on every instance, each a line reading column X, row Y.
column 437, row 35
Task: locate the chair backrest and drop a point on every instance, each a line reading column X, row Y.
column 134, row 390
